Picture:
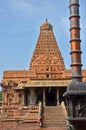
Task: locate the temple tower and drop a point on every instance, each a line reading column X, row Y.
column 47, row 60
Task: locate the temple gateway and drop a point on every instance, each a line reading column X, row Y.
column 36, row 95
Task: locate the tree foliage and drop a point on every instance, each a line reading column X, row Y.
column 0, row 95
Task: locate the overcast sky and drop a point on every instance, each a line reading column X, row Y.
column 20, row 22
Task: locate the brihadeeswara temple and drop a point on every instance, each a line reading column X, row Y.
column 36, row 95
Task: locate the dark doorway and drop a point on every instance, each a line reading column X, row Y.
column 51, row 96
column 39, row 95
column 62, row 90
column 27, row 97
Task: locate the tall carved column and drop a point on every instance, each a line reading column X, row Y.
column 75, row 41
column 76, row 91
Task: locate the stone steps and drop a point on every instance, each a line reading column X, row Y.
column 54, row 116
column 30, row 121
column 54, row 122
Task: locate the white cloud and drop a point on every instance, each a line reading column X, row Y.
column 65, row 21
column 23, row 5
column 65, row 25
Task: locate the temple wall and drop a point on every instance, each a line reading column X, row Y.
column 24, row 75
column 18, row 75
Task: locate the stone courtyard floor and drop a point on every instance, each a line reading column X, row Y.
column 24, row 126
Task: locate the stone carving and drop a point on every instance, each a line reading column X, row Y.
column 10, row 95
column 80, row 110
column 51, row 59
column 9, row 83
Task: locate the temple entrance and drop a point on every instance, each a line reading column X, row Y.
column 39, row 95
column 51, row 96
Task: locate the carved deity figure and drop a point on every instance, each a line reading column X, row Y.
column 79, row 110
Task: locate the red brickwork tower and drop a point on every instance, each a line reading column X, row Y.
column 47, row 60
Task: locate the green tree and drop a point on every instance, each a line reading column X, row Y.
column 0, row 95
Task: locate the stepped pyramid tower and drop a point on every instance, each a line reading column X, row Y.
column 36, row 95
column 47, row 60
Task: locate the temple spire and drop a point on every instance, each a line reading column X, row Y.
column 47, row 52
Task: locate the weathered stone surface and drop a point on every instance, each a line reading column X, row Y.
column 24, row 126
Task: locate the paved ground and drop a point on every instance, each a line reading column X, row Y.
column 25, row 126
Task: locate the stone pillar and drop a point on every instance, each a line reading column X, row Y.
column 16, row 96
column 23, row 98
column 57, row 96
column 32, row 97
column 44, row 103
column 4, row 98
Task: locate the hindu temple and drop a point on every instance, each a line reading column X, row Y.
column 35, row 95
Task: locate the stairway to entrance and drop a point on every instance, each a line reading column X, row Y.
column 54, row 116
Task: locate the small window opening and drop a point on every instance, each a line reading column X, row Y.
column 47, row 68
column 47, row 75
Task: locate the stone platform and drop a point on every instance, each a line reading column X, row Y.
column 24, row 126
